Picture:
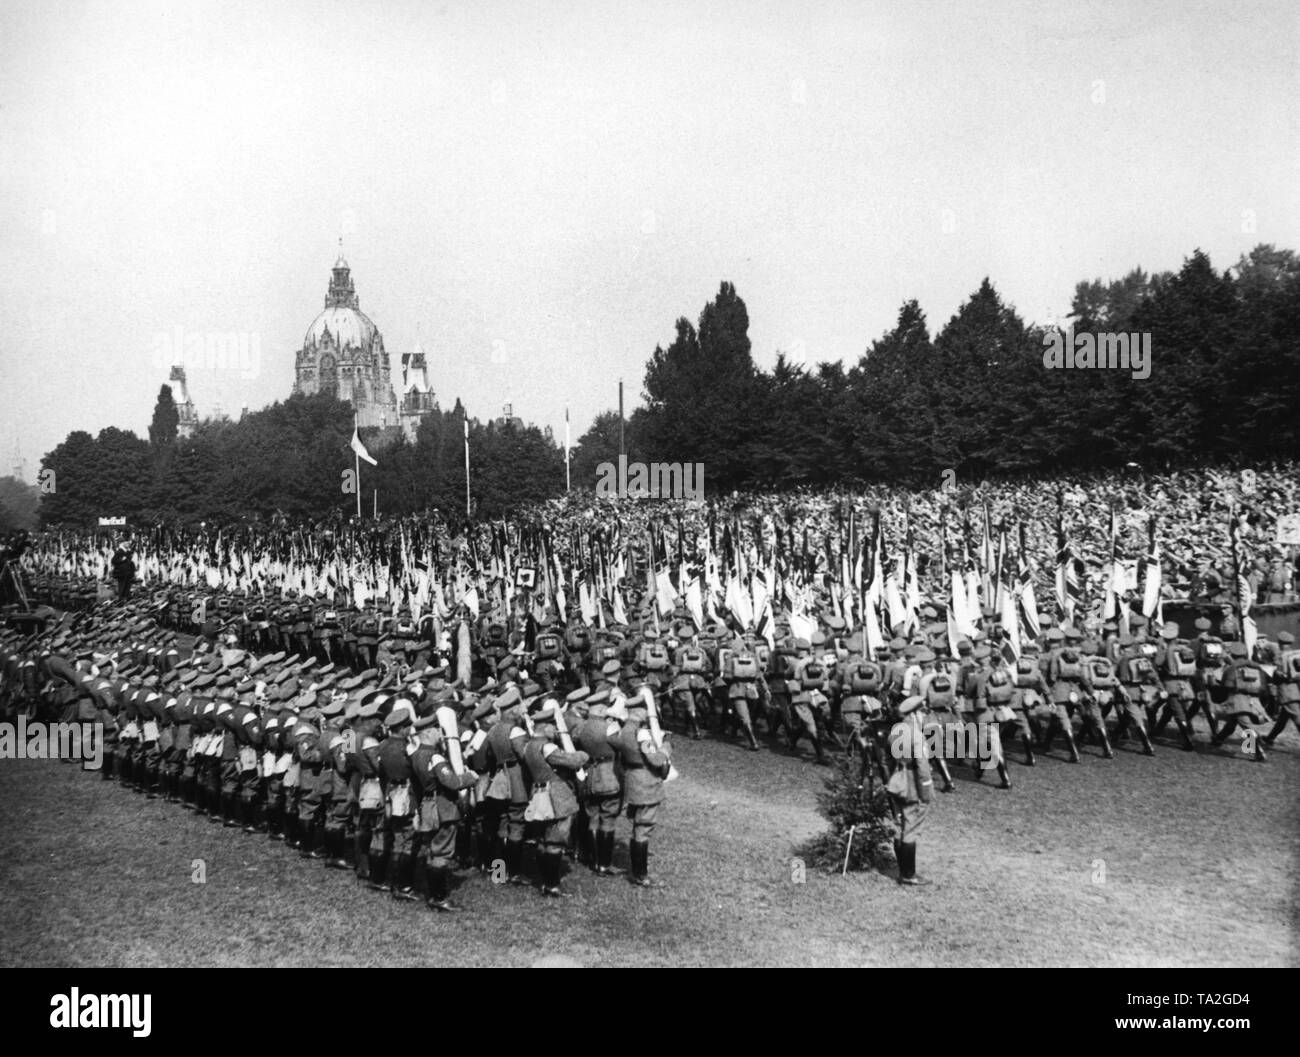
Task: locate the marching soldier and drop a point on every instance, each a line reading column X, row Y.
column 1243, row 683
column 1286, row 683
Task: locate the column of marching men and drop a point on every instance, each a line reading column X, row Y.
column 347, row 737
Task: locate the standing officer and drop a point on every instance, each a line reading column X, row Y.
column 437, row 787
column 910, row 786
column 598, row 737
column 645, row 767
column 543, row 760
column 395, row 773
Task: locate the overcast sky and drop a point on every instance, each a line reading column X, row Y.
column 534, row 192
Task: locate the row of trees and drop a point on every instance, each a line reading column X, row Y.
column 294, row 458
column 976, row 398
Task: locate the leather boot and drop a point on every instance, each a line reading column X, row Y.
column 377, row 871
column 229, row 811
column 693, row 724
column 106, row 768
column 605, row 855
column 817, row 747
column 336, row 859
column 942, row 767
column 1029, row 750
column 1074, row 751
column 464, row 846
column 402, row 886
column 1005, row 776
column 1147, row 750
column 292, row 829
column 587, row 849
column 751, row 738
column 307, row 843
column 1106, row 750
column 274, row 821
column 514, row 863
column 640, row 851
column 1185, row 730
column 907, row 875
column 439, row 886
column 552, row 865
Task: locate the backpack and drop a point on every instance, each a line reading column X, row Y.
column 998, row 686
column 692, row 661
column 1290, row 666
column 1249, row 680
column 941, row 693
column 812, row 676
column 1101, row 673
column 1182, row 662
column 1026, row 672
column 548, row 646
column 578, row 638
column 866, row 678
column 654, row 657
column 744, row 666
column 1139, row 669
column 1069, row 666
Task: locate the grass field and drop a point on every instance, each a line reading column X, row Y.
column 1201, row 860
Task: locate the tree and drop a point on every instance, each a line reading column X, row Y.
column 18, row 504
column 166, row 420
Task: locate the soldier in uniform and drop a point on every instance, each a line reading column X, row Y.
column 910, row 786
column 993, row 690
column 544, row 759
column 438, row 790
column 602, row 791
column 1065, row 677
column 368, row 731
column 1286, row 686
column 1175, row 663
column 1138, row 694
column 691, row 679
column 400, row 808
column 807, row 695
column 1099, row 690
column 645, row 767
column 1244, row 683
column 742, row 678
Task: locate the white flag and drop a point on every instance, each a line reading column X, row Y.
column 360, row 448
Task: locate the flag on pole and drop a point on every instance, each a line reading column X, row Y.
column 360, row 448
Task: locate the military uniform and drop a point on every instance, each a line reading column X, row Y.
column 910, row 787
column 645, row 766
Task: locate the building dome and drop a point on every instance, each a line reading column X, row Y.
column 343, row 327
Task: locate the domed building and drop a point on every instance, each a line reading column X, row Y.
column 343, row 354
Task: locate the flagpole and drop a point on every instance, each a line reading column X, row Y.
column 467, row 507
column 567, row 483
column 376, row 504
column 356, row 461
